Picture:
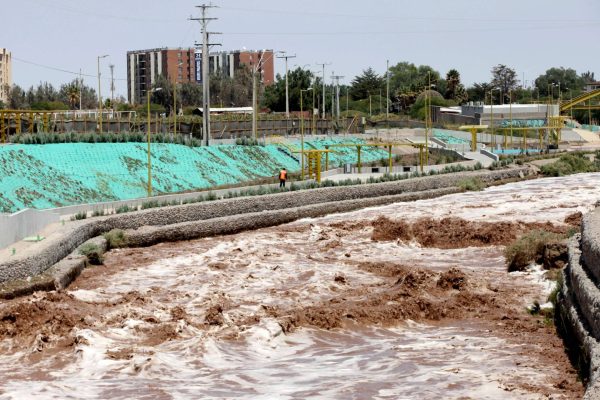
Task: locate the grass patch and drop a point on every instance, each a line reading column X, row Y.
column 79, row 216
column 115, row 239
column 571, row 163
column 94, row 254
column 528, row 248
column 471, row 184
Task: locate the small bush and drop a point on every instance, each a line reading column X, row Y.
column 124, row 209
column 528, row 248
column 93, row 253
column 471, row 184
column 80, row 215
column 150, row 204
column 98, row 213
column 115, row 239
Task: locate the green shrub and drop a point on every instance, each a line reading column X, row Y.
column 80, row 215
column 471, row 184
column 115, row 239
column 124, row 209
column 93, row 253
column 98, row 213
column 150, row 204
column 528, row 248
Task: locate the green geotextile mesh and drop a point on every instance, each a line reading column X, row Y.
column 447, row 136
column 54, row 175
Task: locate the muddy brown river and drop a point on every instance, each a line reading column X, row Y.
column 320, row 308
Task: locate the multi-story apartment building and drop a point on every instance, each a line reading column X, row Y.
column 227, row 63
column 145, row 66
column 5, row 74
column 185, row 65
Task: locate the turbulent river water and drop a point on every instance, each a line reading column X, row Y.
column 257, row 315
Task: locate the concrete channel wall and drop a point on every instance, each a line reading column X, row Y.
column 161, row 224
column 578, row 313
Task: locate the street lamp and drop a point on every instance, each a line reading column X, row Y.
column 100, row 93
column 148, row 95
column 179, row 65
column 492, row 134
column 302, row 128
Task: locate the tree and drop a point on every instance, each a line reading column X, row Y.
column 298, row 79
column 16, row 98
column 365, row 84
column 164, row 96
column 478, row 92
column 454, row 89
column 567, row 79
column 406, row 77
column 189, row 94
column 588, row 77
column 504, row 78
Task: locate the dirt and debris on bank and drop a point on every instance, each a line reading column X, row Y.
column 454, row 233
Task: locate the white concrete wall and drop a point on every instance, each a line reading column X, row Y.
column 28, row 222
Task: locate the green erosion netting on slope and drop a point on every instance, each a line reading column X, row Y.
column 54, row 175
column 447, row 136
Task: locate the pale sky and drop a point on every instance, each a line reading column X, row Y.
column 469, row 35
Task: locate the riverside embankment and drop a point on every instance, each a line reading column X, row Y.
column 218, row 218
column 338, row 306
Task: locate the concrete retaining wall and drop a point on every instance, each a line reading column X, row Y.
column 17, row 226
column 52, row 250
column 578, row 313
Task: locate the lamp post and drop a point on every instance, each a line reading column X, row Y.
column 302, row 129
column 100, row 94
column 175, row 101
column 492, row 134
column 148, row 95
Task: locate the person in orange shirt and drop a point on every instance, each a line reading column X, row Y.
column 282, row 177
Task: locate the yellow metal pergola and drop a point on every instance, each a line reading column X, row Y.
column 314, row 162
column 474, row 129
column 389, row 147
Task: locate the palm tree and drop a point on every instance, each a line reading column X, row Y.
column 73, row 95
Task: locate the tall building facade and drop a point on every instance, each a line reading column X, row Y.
column 185, row 65
column 5, row 74
column 226, row 63
column 144, row 67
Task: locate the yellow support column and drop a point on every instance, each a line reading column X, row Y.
column 473, row 139
column 318, row 166
column 31, row 122
column 541, row 138
column 327, row 158
column 46, row 122
column 18, row 122
column 2, row 127
column 421, row 157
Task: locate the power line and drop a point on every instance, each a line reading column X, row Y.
column 404, row 18
column 62, row 70
column 419, row 32
column 103, row 15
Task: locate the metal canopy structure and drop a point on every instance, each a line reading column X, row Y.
column 389, row 147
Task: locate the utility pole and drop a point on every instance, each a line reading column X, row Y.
column 287, row 90
column 337, row 93
column 112, row 86
column 204, row 20
column 323, row 65
column 80, row 89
